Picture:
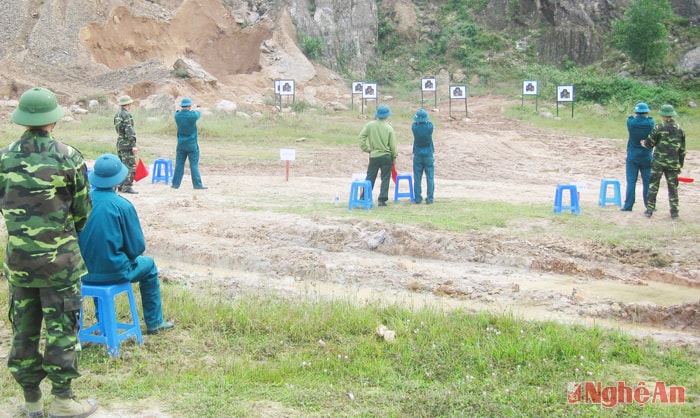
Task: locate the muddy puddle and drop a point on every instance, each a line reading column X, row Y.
column 528, row 295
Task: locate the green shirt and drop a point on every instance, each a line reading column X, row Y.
column 378, row 138
column 45, row 201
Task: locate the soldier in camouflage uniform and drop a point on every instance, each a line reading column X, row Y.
column 668, row 140
column 45, row 203
column 126, row 142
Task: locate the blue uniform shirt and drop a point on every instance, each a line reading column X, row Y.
column 112, row 237
column 186, row 121
column 638, row 127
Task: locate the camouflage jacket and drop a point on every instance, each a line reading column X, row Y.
column 124, row 124
column 45, row 200
column 668, row 140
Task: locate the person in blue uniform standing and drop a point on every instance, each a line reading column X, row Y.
column 638, row 160
column 112, row 242
column 187, row 145
column 423, row 161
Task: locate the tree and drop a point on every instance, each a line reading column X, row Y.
column 641, row 33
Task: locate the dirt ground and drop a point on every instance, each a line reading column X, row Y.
column 207, row 239
column 211, row 241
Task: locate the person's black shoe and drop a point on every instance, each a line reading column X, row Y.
column 382, row 204
column 130, row 190
column 201, row 188
column 674, row 215
column 626, row 209
column 648, row 213
column 162, row 327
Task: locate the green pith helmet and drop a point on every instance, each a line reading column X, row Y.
column 37, row 107
column 125, row 100
column 667, row 110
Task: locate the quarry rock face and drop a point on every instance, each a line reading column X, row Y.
column 237, row 47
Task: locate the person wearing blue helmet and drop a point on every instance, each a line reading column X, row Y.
column 187, row 145
column 423, row 161
column 638, row 160
column 112, row 242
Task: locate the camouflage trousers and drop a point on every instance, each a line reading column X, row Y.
column 59, row 307
column 671, row 182
column 129, row 160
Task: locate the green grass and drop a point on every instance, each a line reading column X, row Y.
column 588, row 122
column 321, row 357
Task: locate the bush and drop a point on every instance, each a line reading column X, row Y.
column 311, row 46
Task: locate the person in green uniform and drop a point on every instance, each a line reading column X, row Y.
column 45, row 204
column 379, row 140
column 668, row 140
column 126, row 142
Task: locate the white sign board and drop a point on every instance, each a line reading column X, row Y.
column 369, row 90
column 357, row 87
column 458, row 92
column 429, row 84
column 530, row 88
column 565, row 93
column 287, row 154
column 286, row 87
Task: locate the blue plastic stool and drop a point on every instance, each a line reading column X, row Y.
column 107, row 328
column 162, row 170
column 616, row 197
column 409, row 193
column 361, row 195
column 573, row 192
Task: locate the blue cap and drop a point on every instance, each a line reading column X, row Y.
column 186, row 102
column 382, row 112
column 642, row 108
column 421, row 116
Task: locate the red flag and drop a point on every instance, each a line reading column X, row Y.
column 394, row 173
column 141, row 171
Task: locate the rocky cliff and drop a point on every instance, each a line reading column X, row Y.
column 234, row 49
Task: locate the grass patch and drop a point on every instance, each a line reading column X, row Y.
column 317, row 356
column 587, row 120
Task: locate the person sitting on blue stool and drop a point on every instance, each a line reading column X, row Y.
column 112, row 242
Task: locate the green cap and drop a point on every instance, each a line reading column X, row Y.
column 667, row 110
column 37, row 107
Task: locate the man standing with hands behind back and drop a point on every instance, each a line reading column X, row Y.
column 126, row 142
column 45, row 202
column 378, row 139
